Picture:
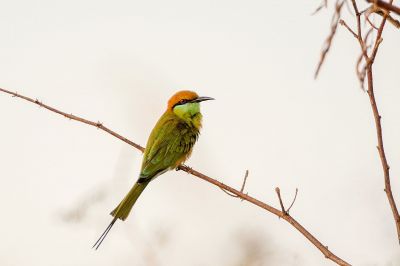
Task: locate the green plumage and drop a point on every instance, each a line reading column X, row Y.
column 170, row 144
column 170, row 141
column 123, row 209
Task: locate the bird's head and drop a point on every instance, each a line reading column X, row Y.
column 186, row 103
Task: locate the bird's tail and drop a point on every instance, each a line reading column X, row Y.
column 123, row 209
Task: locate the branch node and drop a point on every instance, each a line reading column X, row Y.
column 241, row 189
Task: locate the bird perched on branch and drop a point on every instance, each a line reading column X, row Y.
column 169, row 145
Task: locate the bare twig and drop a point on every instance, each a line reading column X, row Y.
column 278, row 192
column 378, row 125
column 244, row 180
column 324, row 249
column 324, row 4
column 377, row 118
column 76, row 118
column 361, row 71
column 385, row 5
column 367, row 14
column 228, row 193
column 242, row 188
column 343, row 23
column 294, row 199
column 328, row 42
column 389, row 18
column 366, row 70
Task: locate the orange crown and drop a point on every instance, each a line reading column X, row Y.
column 181, row 95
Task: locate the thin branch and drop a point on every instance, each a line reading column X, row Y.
column 278, row 192
column 367, row 14
column 328, row 42
column 389, row 18
column 361, row 71
column 243, row 185
column 378, row 125
column 244, row 180
column 228, row 193
column 385, row 5
column 343, row 23
column 294, row 199
column 367, row 70
column 99, row 125
column 381, row 150
column 324, row 4
column 359, row 31
column 324, row 249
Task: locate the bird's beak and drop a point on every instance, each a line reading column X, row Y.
column 202, row 99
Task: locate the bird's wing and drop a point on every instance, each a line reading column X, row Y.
column 167, row 145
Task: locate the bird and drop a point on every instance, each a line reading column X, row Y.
column 169, row 145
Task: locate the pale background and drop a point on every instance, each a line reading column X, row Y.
column 118, row 62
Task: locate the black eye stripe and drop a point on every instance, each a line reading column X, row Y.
column 183, row 101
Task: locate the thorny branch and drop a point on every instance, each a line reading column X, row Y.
column 281, row 214
column 364, row 68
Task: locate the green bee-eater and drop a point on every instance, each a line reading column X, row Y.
column 170, row 144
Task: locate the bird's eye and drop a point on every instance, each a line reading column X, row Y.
column 183, row 101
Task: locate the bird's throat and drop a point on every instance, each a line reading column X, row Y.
column 190, row 113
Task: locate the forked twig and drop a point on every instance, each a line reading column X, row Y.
column 278, row 192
